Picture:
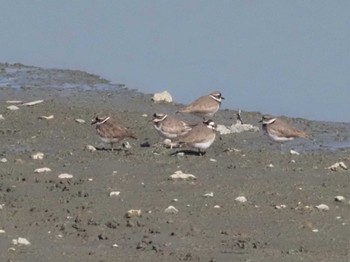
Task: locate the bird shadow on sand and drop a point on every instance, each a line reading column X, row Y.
column 115, row 150
column 188, row 153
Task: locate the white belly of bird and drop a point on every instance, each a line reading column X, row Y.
column 280, row 138
column 204, row 145
column 109, row 140
column 165, row 134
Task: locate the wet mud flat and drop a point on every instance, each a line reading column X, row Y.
column 84, row 218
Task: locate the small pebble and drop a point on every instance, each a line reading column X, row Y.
column 2, row 231
column 168, row 143
column 144, row 115
column 3, row 160
column 90, row 148
column 90, row 179
column 217, row 206
column 127, row 145
column 115, row 245
column 323, row 207
column 241, row 199
column 38, row 155
column 181, row 154
column 315, row 230
column 213, row 160
column 65, row 176
column 42, row 170
column 179, row 175
column 280, row 206
column 270, row 166
column 171, row 210
column 2, row 117
column 114, row 193
column 175, row 200
column 2, row 206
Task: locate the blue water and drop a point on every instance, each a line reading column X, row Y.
column 278, row 57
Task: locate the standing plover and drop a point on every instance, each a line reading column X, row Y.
column 201, row 136
column 279, row 130
column 110, row 131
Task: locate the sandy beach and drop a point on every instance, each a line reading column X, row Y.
column 292, row 210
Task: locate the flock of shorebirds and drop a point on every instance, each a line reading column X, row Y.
column 199, row 136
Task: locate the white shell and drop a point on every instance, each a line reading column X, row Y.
column 65, row 176
column 162, row 97
column 47, row 117
column 114, row 193
column 32, row 103
column 80, row 121
column 12, row 107
column 13, row 101
column 236, row 128
column 211, row 194
column 171, row 210
column 42, row 170
column 241, row 199
column 90, row 148
column 293, row 152
column 38, row 155
column 323, row 207
column 134, row 213
column 179, row 175
column 339, row 198
column 20, row 241
column 336, row 166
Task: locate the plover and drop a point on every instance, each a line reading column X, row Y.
column 204, row 106
column 279, row 130
column 170, row 127
column 201, row 136
column 110, row 131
